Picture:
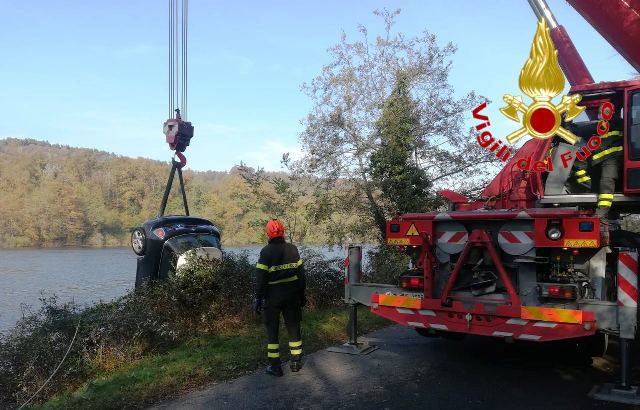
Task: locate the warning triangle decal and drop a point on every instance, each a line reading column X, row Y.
column 412, row 231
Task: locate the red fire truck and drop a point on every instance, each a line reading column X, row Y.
column 529, row 260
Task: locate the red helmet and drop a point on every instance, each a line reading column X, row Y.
column 275, row 229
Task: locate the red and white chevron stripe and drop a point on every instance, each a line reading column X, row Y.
column 517, row 236
column 453, row 237
column 628, row 278
column 516, row 242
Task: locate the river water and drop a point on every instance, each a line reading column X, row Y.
column 85, row 276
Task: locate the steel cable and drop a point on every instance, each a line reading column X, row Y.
column 176, row 46
column 182, row 64
column 171, row 56
column 178, row 56
column 186, row 56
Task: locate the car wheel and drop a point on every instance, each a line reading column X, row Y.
column 138, row 241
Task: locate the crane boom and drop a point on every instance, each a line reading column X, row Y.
column 618, row 21
column 570, row 60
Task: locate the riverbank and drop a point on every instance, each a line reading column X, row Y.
column 195, row 328
column 201, row 361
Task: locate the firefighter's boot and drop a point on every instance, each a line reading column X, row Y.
column 296, row 353
column 275, row 370
column 296, row 364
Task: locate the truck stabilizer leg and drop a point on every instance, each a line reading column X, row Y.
column 353, row 346
column 354, row 265
column 624, row 392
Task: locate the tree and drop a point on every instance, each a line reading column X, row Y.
column 403, row 184
column 91, row 198
column 341, row 131
column 278, row 197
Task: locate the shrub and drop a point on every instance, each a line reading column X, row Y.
column 207, row 297
column 34, row 347
column 325, row 280
column 385, row 265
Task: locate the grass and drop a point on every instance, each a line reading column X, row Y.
column 201, row 361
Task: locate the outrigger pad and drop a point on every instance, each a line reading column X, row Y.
column 611, row 392
column 355, row 349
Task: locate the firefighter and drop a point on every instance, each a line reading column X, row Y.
column 280, row 289
column 580, row 174
column 604, row 164
column 608, row 158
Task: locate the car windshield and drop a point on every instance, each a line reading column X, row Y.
column 183, row 243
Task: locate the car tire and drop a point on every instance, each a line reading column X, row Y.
column 139, row 241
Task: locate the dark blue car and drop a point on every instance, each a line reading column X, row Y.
column 164, row 244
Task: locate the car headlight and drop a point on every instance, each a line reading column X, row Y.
column 138, row 241
column 554, row 233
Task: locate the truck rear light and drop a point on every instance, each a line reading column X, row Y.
column 412, row 282
column 556, row 291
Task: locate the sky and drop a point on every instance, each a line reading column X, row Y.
column 94, row 73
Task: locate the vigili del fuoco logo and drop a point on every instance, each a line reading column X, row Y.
column 541, row 79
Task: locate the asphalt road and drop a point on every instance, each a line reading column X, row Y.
column 409, row 371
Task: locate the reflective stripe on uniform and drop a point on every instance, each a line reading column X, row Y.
column 279, row 267
column 584, row 179
column 581, row 172
column 607, row 152
column 271, row 355
column 295, row 344
column 611, row 134
column 273, row 346
column 285, row 280
column 296, row 351
column 286, row 266
column 605, row 200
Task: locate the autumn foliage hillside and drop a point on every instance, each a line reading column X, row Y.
column 53, row 195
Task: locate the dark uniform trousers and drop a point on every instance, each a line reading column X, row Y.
column 604, row 164
column 280, row 281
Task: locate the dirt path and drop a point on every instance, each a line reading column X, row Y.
column 410, row 371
